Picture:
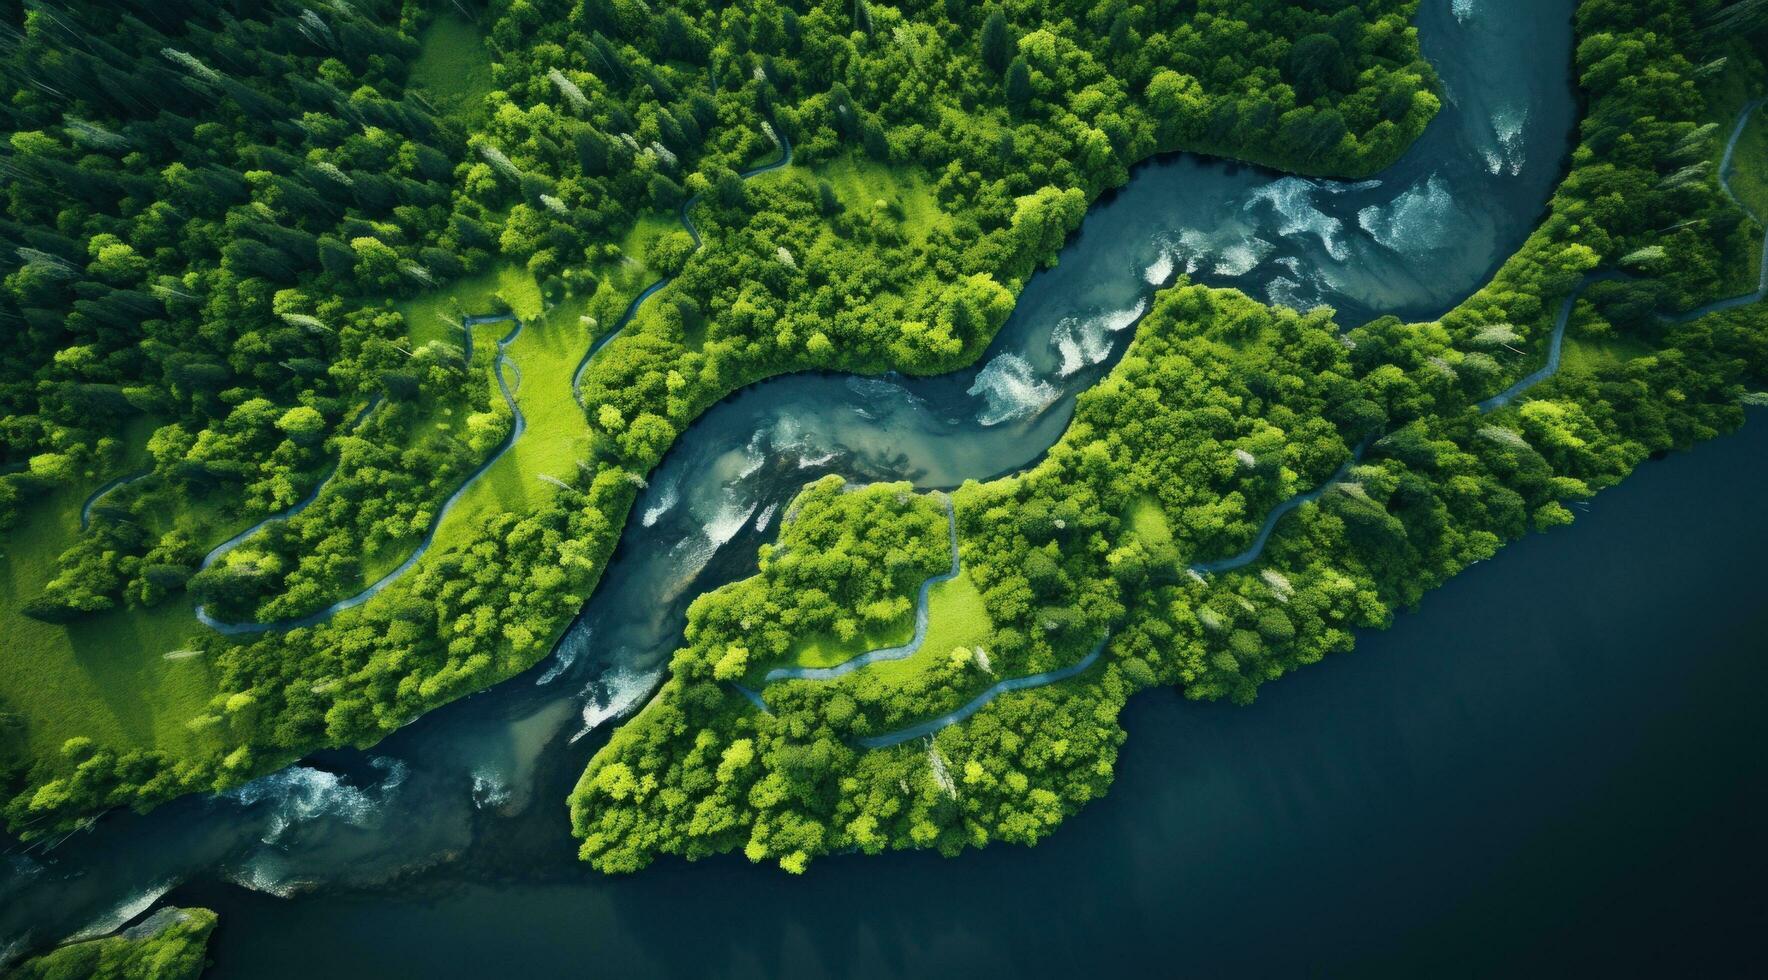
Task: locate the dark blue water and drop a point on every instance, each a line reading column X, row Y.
column 1554, row 765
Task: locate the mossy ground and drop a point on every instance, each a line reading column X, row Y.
column 827, row 651
column 169, row 945
column 109, row 677
column 1588, row 355
column 957, row 618
column 1749, row 173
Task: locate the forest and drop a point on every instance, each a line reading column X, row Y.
column 247, row 240
column 226, row 263
column 1221, row 409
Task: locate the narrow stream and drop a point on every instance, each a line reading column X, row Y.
column 902, row 651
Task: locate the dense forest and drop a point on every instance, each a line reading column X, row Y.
column 243, row 242
column 237, row 229
column 1221, row 409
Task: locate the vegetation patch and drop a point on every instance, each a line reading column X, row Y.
column 453, row 64
column 170, row 944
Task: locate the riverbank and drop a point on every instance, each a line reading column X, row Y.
column 1436, row 803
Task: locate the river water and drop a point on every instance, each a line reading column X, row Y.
column 449, row 840
column 1554, row 765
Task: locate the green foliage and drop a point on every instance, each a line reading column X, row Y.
column 217, row 252
column 1221, row 409
column 168, row 945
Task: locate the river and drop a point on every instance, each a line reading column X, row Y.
column 1554, row 766
column 394, row 852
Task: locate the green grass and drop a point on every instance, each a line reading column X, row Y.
column 437, row 315
column 624, row 278
column 107, row 676
column 828, row 650
column 171, row 948
column 1148, row 522
column 453, row 65
column 545, row 356
column 1584, row 355
column 864, row 185
column 438, row 419
column 648, row 228
column 956, row 617
column 557, row 436
column 1749, row 165
column 1727, row 96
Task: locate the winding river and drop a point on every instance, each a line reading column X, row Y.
column 469, row 795
column 519, row 425
column 1555, row 346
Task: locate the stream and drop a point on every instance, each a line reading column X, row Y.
column 465, row 804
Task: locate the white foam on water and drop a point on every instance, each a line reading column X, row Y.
column 877, row 389
column 1242, row 257
column 1424, row 218
column 1291, row 198
column 1511, row 152
column 667, row 497
column 692, row 553
column 763, row 519
column 790, row 437
column 264, row 873
column 1195, row 247
column 127, row 909
column 1160, row 271
column 1462, row 9
column 1284, row 291
column 730, row 518
column 1079, row 347
column 1085, row 341
column 300, row 794
column 1011, row 389
column 612, row 696
column 490, row 789
column 565, row 654
column 754, row 457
